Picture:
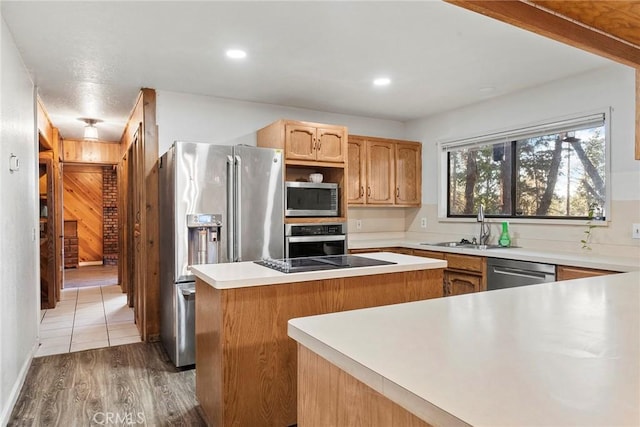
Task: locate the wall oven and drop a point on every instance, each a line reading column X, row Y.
column 310, row 199
column 303, row 240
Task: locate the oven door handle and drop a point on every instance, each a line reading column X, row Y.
column 300, row 239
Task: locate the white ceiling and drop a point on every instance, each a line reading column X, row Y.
column 89, row 59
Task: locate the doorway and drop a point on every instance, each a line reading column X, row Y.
column 93, row 311
column 90, row 225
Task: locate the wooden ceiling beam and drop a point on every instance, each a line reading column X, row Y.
column 550, row 24
column 529, row 17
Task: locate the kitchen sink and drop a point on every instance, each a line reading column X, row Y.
column 465, row 245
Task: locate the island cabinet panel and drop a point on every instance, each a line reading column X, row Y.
column 328, row 396
column 246, row 363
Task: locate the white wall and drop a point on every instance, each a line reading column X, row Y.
column 19, row 253
column 611, row 86
column 201, row 118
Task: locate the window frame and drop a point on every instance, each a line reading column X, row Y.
column 514, row 133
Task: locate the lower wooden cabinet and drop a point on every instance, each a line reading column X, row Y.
column 464, row 273
column 564, row 272
column 364, row 251
column 456, row 283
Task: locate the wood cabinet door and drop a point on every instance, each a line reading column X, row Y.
column 408, row 174
column 357, row 169
column 300, row 142
column 564, row 272
column 460, row 283
column 330, row 145
column 380, row 173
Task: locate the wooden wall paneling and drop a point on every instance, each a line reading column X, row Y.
column 151, row 219
column 91, row 152
column 57, row 214
column 45, row 128
column 47, row 240
column 140, row 144
column 126, row 221
column 328, row 396
column 138, row 234
column 637, row 113
column 83, row 202
column 606, row 28
column 123, row 211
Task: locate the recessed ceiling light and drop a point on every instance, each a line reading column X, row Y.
column 236, row 54
column 382, row 81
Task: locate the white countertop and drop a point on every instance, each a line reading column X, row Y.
column 245, row 274
column 585, row 260
column 554, row 354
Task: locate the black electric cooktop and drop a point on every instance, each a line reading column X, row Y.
column 316, row 263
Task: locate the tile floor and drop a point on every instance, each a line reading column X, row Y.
column 86, row 318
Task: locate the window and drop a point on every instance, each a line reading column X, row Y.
column 555, row 171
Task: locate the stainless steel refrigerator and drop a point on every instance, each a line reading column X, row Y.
column 218, row 204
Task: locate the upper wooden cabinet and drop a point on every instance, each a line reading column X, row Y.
column 408, row 173
column 357, row 170
column 384, row 172
column 306, row 142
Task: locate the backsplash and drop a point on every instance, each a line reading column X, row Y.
column 405, row 224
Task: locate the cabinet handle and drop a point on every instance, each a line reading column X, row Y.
column 314, row 143
column 361, row 191
column 397, row 191
column 368, row 191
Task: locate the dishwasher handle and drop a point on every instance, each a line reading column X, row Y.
column 510, row 271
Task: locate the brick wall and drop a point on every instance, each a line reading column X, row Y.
column 110, row 215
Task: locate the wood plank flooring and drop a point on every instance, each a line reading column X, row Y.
column 133, row 384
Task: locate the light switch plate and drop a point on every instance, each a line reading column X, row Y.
column 635, row 234
column 14, row 163
column 423, row 222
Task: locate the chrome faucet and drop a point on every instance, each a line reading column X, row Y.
column 485, row 230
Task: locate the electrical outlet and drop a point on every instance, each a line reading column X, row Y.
column 635, row 234
column 358, row 224
column 423, row 222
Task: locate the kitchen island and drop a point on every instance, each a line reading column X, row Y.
column 246, row 365
column 562, row 353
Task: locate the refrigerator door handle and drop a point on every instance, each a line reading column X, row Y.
column 231, row 210
column 238, row 209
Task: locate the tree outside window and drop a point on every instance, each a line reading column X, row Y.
column 558, row 174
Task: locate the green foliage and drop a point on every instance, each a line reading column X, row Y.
column 587, row 233
column 483, row 176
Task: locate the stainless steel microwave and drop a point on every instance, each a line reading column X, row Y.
column 310, row 199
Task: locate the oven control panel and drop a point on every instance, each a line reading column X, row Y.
column 331, row 229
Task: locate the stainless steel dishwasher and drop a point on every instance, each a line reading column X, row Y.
column 509, row 273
